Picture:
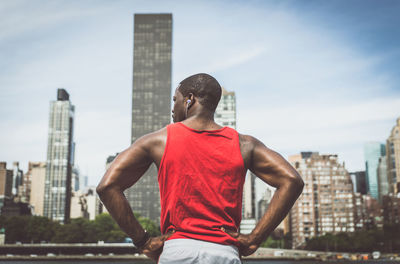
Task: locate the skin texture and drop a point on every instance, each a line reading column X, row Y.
column 131, row 164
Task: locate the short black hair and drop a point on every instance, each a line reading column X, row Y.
column 205, row 87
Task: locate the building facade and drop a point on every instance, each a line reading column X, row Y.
column 37, row 172
column 372, row 152
column 393, row 158
column 225, row 114
column 151, row 99
column 327, row 202
column 263, row 203
column 6, row 183
column 60, row 158
column 359, row 182
column 383, row 184
column 391, row 209
column 249, row 196
column 24, row 189
column 18, row 178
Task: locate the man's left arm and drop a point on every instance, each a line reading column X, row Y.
column 125, row 171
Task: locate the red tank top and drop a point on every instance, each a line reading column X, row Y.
column 201, row 178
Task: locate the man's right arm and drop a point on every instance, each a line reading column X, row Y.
column 274, row 170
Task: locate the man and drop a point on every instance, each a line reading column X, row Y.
column 202, row 167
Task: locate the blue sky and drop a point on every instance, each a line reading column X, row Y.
column 308, row 75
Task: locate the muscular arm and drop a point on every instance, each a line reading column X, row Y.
column 125, row 170
column 274, row 170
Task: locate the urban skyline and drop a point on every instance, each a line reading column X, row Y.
column 371, row 98
column 328, row 203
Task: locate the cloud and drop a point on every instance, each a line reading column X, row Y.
column 21, row 18
column 234, row 59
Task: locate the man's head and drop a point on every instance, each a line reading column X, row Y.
column 201, row 91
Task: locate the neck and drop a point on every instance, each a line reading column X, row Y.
column 201, row 120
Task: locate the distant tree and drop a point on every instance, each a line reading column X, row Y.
column 107, row 229
column 150, row 226
column 35, row 229
column 41, row 229
column 16, row 229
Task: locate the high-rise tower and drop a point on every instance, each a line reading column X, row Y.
column 151, row 99
column 326, row 204
column 372, row 152
column 393, row 158
column 60, row 158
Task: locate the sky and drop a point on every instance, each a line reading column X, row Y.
column 308, row 75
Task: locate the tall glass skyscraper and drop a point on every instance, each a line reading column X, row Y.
column 60, row 158
column 151, row 99
column 372, row 152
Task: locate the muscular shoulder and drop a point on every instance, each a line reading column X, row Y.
column 153, row 143
column 247, row 145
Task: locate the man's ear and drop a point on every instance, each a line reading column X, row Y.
column 192, row 100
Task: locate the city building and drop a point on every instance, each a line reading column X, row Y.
column 249, row 196
column 248, row 204
column 393, row 158
column 78, row 205
column 391, row 209
column 372, row 152
column 263, row 203
column 360, row 214
column 15, row 208
column 225, row 114
column 359, row 182
column 151, row 99
column 6, row 183
column 327, row 202
column 37, row 175
column 374, row 217
column 83, row 181
column 368, row 213
column 60, row 158
column 24, row 189
column 18, row 178
column 383, row 184
column 75, row 184
column 86, row 204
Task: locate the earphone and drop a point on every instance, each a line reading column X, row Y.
column 187, row 107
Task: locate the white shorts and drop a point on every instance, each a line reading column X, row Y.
column 190, row 251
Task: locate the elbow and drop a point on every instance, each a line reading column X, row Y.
column 298, row 183
column 102, row 189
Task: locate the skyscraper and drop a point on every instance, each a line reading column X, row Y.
column 18, row 178
column 327, row 202
column 60, row 158
column 383, row 185
column 151, row 99
column 393, row 158
column 225, row 114
column 372, row 152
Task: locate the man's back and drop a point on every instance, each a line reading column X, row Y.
column 201, row 178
